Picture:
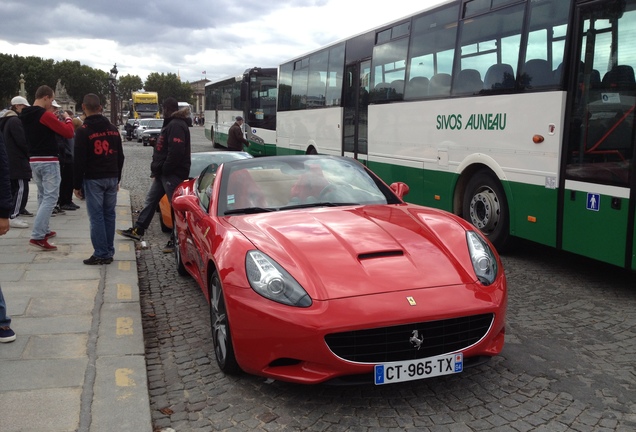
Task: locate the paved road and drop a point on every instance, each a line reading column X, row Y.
column 568, row 363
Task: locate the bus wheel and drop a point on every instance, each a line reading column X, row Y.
column 485, row 206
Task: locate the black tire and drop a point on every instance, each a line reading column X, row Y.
column 486, row 207
column 181, row 270
column 220, row 325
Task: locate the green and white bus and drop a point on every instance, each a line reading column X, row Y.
column 251, row 95
column 516, row 114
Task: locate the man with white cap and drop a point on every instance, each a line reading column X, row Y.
column 18, row 153
column 40, row 127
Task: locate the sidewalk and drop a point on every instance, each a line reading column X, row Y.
column 78, row 361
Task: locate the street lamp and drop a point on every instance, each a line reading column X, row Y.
column 112, row 79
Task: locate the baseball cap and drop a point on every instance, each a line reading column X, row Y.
column 19, row 100
column 55, row 104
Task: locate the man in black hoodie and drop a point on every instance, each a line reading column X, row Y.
column 6, row 334
column 40, row 127
column 98, row 163
column 170, row 164
column 18, row 152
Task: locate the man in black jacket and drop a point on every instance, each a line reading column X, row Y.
column 19, row 167
column 235, row 138
column 40, row 127
column 170, row 164
column 6, row 334
column 98, row 163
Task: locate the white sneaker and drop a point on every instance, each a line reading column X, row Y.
column 18, row 223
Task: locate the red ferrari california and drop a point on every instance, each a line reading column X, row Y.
column 316, row 270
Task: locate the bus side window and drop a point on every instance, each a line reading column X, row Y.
column 468, row 81
column 619, row 77
column 417, row 87
column 398, row 87
column 499, row 76
column 537, row 73
column 380, row 92
column 439, row 85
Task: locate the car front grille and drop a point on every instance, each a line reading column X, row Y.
column 397, row 343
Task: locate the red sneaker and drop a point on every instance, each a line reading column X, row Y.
column 50, row 234
column 43, row 244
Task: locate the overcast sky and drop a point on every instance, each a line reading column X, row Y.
column 220, row 37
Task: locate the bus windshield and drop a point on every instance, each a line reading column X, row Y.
column 263, row 91
column 251, row 95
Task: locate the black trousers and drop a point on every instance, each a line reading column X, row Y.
column 20, row 195
column 66, row 184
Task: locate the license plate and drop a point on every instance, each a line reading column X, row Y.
column 410, row 370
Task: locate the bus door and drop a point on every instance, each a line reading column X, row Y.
column 599, row 176
column 215, row 125
column 356, row 108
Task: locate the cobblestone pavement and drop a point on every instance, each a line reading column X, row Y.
column 568, row 363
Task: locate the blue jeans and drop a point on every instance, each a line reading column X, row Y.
column 5, row 320
column 101, row 200
column 46, row 176
column 161, row 185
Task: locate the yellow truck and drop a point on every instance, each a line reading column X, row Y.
column 144, row 105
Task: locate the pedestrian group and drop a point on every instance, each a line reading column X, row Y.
column 67, row 156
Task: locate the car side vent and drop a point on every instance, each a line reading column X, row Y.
column 383, row 254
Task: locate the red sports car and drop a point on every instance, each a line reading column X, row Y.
column 316, row 270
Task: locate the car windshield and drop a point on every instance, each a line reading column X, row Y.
column 292, row 182
column 203, row 159
column 155, row 124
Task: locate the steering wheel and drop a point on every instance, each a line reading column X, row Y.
column 322, row 196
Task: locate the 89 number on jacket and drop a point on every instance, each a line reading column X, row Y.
column 101, row 147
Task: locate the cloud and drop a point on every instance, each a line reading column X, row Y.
column 222, row 37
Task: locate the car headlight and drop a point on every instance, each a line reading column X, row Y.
column 270, row 280
column 483, row 258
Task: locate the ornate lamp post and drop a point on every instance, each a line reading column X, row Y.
column 112, row 80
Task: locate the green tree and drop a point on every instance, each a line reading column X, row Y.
column 36, row 70
column 79, row 80
column 9, row 79
column 128, row 84
column 168, row 85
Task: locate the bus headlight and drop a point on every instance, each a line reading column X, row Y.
column 273, row 282
column 482, row 257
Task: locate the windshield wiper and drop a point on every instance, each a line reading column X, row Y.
column 249, row 210
column 317, row 204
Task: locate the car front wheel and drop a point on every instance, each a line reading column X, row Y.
column 221, row 335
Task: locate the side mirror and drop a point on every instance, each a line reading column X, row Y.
column 400, row 189
column 185, row 203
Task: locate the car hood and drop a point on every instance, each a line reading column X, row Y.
column 337, row 253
